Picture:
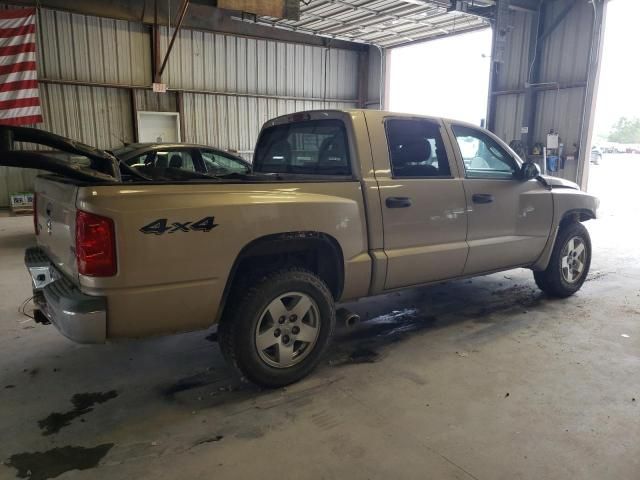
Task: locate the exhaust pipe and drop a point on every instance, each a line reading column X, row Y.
column 348, row 318
column 40, row 317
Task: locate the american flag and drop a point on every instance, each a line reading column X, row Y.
column 19, row 101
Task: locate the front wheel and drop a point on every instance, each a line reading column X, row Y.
column 276, row 332
column 569, row 263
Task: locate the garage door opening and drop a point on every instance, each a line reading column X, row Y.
column 615, row 152
column 446, row 78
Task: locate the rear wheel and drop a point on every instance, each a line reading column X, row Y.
column 569, row 263
column 276, row 332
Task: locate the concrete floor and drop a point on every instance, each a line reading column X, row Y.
column 481, row 379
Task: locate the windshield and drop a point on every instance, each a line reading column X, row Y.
column 316, row 147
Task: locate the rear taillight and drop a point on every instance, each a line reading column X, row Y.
column 35, row 214
column 95, row 245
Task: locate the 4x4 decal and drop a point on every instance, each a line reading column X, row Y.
column 162, row 225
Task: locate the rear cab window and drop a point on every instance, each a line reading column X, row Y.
column 313, row 147
column 416, row 149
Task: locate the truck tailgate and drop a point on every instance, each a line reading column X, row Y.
column 56, row 219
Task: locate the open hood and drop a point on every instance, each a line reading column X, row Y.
column 103, row 166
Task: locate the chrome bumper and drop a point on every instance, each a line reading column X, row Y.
column 79, row 317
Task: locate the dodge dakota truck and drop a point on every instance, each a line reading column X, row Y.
column 339, row 205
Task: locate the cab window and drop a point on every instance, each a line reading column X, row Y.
column 315, row 147
column 416, row 149
column 218, row 164
column 483, row 157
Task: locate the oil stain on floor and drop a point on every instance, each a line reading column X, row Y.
column 55, row 462
column 363, row 343
column 82, row 403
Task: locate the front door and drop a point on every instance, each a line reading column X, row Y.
column 423, row 202
column 509, row 219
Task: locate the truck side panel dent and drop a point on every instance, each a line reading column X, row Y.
column 190, row 268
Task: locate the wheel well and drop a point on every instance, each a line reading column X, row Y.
column 315, row 251
column 578, row 215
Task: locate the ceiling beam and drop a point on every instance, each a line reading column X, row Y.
column 526, row 5
column 471, row 25
column 468, row 29
column 372, row 17
column 272, row 8
column 199, row 17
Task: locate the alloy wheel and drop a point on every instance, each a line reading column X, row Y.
column 573, row 259
column 287, row 330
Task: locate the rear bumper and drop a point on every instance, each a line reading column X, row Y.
column 79, row 317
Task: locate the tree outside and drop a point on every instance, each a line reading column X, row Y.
column 625, row 130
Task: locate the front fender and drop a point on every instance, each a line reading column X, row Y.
column 570, row 202
column 568, row 205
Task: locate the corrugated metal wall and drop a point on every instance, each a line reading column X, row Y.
column 92, row 49
column 147, row 100
column 233, row 84
column 230, row 85
column 375, row 76
column 509, row 110
column 224, row 63
column 512, row 76
column 563, row 75
column 563, row 109
column 98, row 116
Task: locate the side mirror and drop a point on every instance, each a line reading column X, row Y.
column 529, row 170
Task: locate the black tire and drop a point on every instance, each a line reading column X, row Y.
column 237, row 329
column 552, row 281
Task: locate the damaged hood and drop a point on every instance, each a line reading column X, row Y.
column 556, row 182
column 103, row 166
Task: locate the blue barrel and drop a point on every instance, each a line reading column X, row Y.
column 553, row 162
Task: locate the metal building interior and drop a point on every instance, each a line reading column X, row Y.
column 98, row 63
column 492, row 381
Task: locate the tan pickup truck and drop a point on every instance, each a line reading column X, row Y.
column 340, row 205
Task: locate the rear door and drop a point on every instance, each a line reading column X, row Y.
column 423, row 201
column 509, row 219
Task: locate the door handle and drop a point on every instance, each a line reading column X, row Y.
column 398, row 202
column 482, row 198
